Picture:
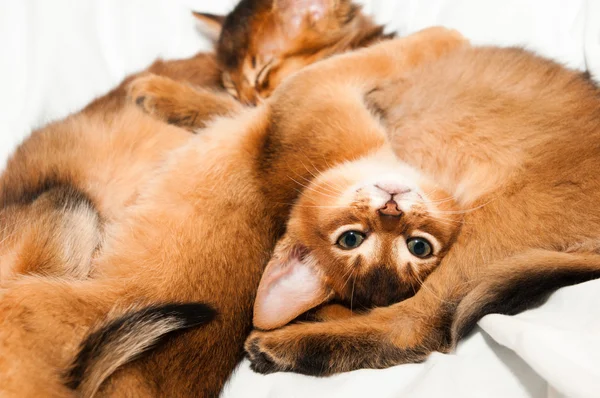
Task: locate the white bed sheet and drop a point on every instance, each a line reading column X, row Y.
column 56, row 56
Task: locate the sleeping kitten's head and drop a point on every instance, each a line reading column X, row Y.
column 366, row 233
column 263, row 41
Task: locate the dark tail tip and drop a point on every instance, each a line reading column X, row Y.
column 123, row 339
column 520, row 293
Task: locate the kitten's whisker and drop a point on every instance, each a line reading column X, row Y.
column 349, row 274
column 329, row 167
column 464, row 211
column 439, row 201
column 332, row 188
column 352, row 294
column 453, row 223
column 309, row 181
column 307, row 169
column 424, row 287
column 323, row 207
column 310, row 188
column 317, row 170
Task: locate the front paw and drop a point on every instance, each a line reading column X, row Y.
column 264, row 356
column 325, row 348
column 320, row 349
column 290, row 349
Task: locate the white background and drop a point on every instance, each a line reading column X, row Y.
column 55, row 56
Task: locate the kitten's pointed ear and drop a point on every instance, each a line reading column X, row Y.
column 210, row 24
column 290, row 286
column 294, row 13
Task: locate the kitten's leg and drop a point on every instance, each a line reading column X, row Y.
column 179, row 103
column 432, row 320
column 329, row 312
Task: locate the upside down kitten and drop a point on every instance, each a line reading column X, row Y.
column 201, row 231
column 365, row 233
column 516, row 138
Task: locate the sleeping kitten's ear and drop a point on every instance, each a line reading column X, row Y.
column 293, row 13
column 210, row 24
column 290, row 286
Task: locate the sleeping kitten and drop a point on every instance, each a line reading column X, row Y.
column 257, row 45
column 263, row 41
column 366, row 233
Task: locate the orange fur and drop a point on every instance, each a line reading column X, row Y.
column 515, row 138
column 104, row 155
column 377, row 199
column 261, row 42
column 99, row 158
column 201, row 229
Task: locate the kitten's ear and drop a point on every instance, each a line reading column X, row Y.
column 291, row 285
column 210, row 24
column 293, row 13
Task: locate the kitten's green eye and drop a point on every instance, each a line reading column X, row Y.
column 350, row 240
column 419, row 247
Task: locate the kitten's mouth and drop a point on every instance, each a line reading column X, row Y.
column 390, row 209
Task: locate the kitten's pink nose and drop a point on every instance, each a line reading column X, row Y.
column 390, row 209
column 392, row 187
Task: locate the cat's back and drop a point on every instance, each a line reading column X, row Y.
column 480, row 115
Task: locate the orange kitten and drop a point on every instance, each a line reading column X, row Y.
column 366, row 233
column 516, row 139
column 263, row 41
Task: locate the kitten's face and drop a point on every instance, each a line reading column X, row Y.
column 377, row 230
column 366, row 233
column 261, row 42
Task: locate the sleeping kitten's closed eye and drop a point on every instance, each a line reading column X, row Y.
column 366, row 233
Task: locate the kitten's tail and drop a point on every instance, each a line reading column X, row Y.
column 521, row 282
column 119, row 341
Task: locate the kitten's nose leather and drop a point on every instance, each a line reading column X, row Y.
column 390, row 209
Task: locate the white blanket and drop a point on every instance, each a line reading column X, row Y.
column 57, row 55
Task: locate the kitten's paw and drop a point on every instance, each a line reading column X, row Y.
column 424, row 45
column 270, row 352
column 296, row 348
column 441, row 32
column 145, row 92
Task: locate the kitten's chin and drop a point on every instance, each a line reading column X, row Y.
column 380, row 287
